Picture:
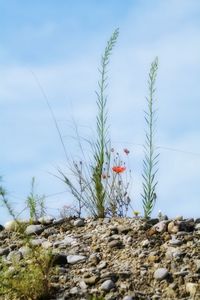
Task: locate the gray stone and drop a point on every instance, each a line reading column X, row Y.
column 47, row 244
column 191, row 288
column 34, row 229
column 14, row 256
column 79, row 223
column 102, row 265
column 197, row 226
column 115, row 244
column 128, row 298
column 161, row 226
column 11, row 225
column 74, row 291
column 74, row 259
column 69, row 241
column 25, row 251
column 175, row 242
column 37, row 242
column 173, row 252
column 107, row 285
column 161, row 273
column 45, row 220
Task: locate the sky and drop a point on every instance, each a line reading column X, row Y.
column 60, row 43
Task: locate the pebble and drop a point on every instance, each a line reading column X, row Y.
column 74, row 259
column 191, row 288
column 34, row 229
column 25, row 251
column 175, row 242
column 79, row 223
column 161, row 273
column 128, row 298
column 161, row 226
column 107, row 285
column 46, row 220
column 14, row 256
column 11, row 225
column 115, row 244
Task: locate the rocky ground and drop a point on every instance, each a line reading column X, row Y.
column 118, row 258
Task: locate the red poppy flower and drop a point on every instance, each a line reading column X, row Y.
column 118, row 169
column 126, row 151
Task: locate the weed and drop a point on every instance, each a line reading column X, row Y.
column 35, row 203
column 150, row 161
column 27, row 279
column 91, row 192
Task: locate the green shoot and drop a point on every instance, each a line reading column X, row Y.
column 150, row 161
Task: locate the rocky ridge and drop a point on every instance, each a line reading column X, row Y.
column 118, row 258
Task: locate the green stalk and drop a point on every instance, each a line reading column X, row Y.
column 102, row 141
column 150, row 161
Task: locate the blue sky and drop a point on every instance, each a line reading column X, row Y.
column 61, row 42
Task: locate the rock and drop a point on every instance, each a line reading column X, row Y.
column 74, row 259
column 79, row 223
column 1, row 227
column 107, row 285
column 37, row 242
column 115, row 244
column 175, row 242
column 173, row 252
column 69, row 241
column 187, row 226
column 145, row 243
column 197, row 226
column 47, row 244
column 25, row 251
column 102, row 265
column 14, row 256
column 191, row 288
column 11, row 225
column 153, row 221
column 94, row 259
column 83, row 285
column 161, row 273
column 173, row 227
column 161, row 226
column 74, row 291
column 128, row 298
column 178, row 218
column 124, row 229
column 106, row 220
column 91, row 280
column 34, row 229
column 46, row 220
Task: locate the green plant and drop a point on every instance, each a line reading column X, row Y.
column 28, row 279
column 5, row 202
column 91, row 192
column 103, row 140
column 117, row 178
column 35, row 203
column 150, row 161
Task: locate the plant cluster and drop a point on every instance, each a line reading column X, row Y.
column 99, row 183
column 35, row 203
column 28, row 279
